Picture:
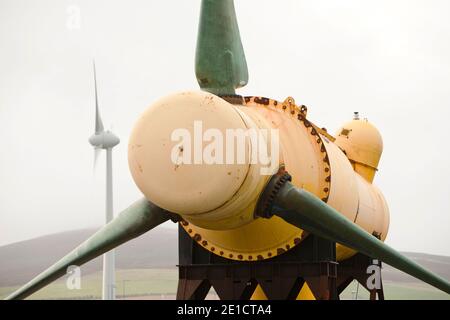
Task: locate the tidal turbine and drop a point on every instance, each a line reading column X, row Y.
column 321, row 186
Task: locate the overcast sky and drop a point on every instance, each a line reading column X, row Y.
column 389, row 60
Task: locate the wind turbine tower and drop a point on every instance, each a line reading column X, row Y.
column 105, row 140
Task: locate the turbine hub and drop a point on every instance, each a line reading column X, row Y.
column 104, row 140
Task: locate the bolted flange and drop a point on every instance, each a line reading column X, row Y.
column 265, row 202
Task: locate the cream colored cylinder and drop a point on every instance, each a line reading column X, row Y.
column 180, row 158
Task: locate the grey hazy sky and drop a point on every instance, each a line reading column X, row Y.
column 389, row 60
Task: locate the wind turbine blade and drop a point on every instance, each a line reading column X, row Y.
column 97, row 152
column 304, row 210
column 220, row 64
column 98, row 120
column 137, row 219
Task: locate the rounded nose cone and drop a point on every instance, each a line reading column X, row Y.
column 95, row 140
column 175, row 156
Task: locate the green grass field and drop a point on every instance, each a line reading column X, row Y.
column 140, row 282
column 162, row 283
column 398, row 291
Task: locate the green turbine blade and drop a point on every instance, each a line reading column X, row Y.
column 137, row 219
column 220, row 64
column 304, row 210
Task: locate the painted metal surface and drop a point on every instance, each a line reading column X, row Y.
column 213, row 195
column 217, row 201
column 304, row 294
column 317, row 165
column 343, row 189
column 263, row 239
column 220, row 64
column 109, row 276
column 362, row 144
column 302, row 150
column 355, row 197
column 372, row 214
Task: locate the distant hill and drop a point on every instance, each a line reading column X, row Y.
column 21, row 261
column 437, row 264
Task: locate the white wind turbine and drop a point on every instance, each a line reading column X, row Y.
column 106, row 140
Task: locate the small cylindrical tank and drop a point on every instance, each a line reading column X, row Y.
column 362, row 144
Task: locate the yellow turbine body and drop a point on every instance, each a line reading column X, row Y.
column 217, row 200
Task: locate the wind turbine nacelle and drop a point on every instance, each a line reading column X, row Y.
column 208, row 160
column 104, row 140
